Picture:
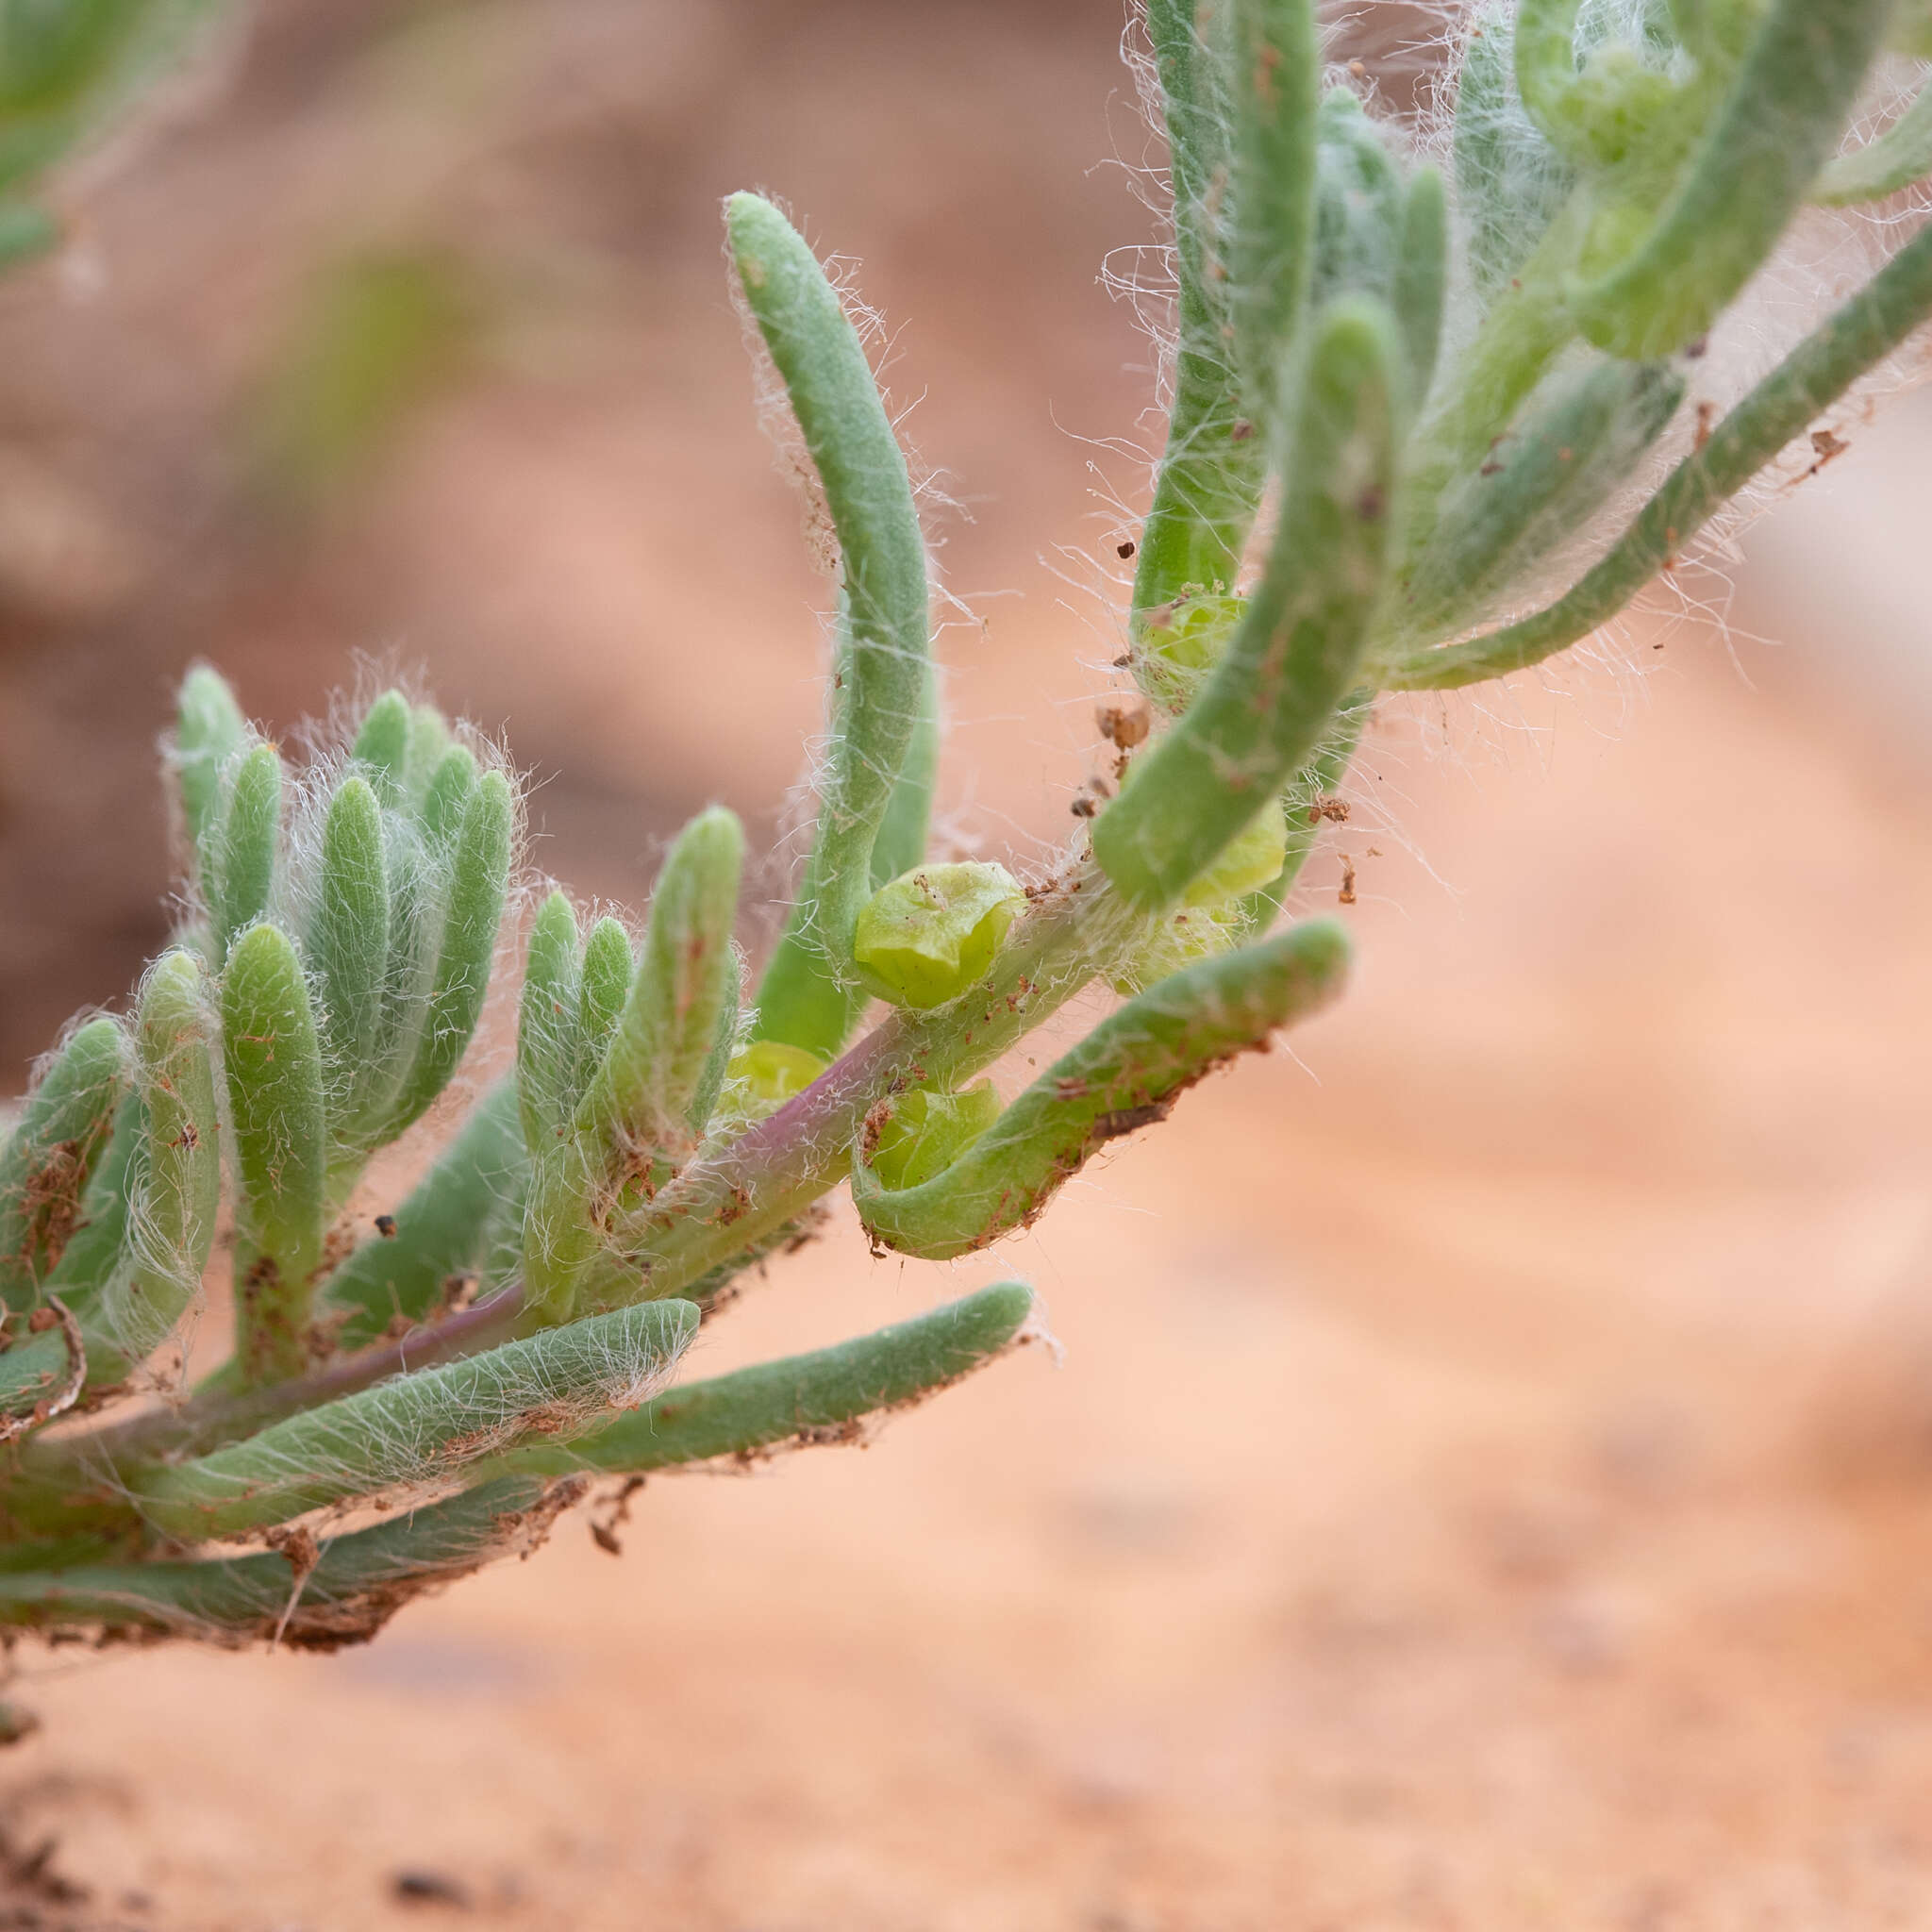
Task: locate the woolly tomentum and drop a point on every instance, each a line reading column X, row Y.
column 1436, row 409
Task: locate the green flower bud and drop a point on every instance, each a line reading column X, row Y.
column 1182, row 642
column 924, row 1132
column 925, row 938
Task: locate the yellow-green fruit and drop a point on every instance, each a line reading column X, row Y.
column 768, row 1073
column 1250, row 859
column 1182, row 642
column 929, row 935
column 1198, row 933
column 926, row 1132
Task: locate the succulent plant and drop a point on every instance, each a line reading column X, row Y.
column 1427, row 425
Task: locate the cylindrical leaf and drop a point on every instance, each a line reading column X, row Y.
column 246, row 847
column 1124, row 1075
column 1575, row 439
column 562, row 1236
column 428, row 746
column 1208, row 484
column 349, row 943
column 422, row 1428
column 806, row 998
column 447, row 796
column 639, row 1102
column 1856, row 336
column 903, row 830
column 178, row 1183
column 382, row 745
column 1901, row 155
column 1359, row 206
column 800, row 1399
column 439, row 1231
column 1777, row 127
column 98, row 1246
column 1273, row 82
column 274, row 1064
column 550, row 1023
column 1295, row 652
column 609, row 970
column 1509, row 179
column 479, row 880
column 45, row 1168
column 358, row 1583
column 1422, row 277
column 209, row 730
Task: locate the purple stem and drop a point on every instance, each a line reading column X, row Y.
column 205, row 1425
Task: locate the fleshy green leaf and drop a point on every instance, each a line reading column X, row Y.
column 43, row 1170
column 422, row 1428
column 880, row 692
column 1122, row 1076
column 273, row 1062
column 1296, row 650
column 763, row 1408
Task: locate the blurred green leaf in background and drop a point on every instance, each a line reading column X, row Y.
column 66, row 68
column 377, row 335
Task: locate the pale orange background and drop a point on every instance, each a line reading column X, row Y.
column 1487, row 1482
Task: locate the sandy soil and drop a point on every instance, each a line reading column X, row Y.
column 1489, row 1481
column 1486, row 1484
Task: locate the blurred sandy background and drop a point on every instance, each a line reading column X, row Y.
column 1488, row 1484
